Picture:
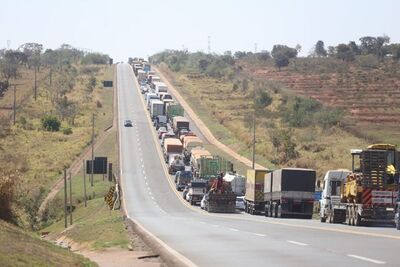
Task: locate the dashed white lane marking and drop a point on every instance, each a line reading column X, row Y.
column 215, row 225
column 233, row 229
column 296, row 243
column 152, row 197
column 144, row 172
column 258, row 234
column 142, row 165
column 366, row 259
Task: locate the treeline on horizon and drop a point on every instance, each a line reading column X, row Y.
column 370, row 51
column 33, row 55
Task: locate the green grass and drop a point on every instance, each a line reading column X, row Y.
column 20, row 248
column 94, row 224
column 40, row 156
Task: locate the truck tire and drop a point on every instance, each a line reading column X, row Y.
column 357, row 219
column 279, row 212
column 191, row 202
column 323, row 219
column 397, row 225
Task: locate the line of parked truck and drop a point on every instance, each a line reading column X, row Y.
column 367, row 193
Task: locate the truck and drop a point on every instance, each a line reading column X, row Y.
column 368, row 193
column 150, row 96
column 209, row 167
column 172, row 110
column 182, row 179
column 196, row 190
column 179, row 123
column 141, row 75
column 289, row 193
column 173, row 155
column 190, row 142
column 146, row 67
column 160, row 87
column 195, row 157
column 220, row 197
column 238, row 182
column 254, row 202
column 156, row 108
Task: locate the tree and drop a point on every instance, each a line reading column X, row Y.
column 282, row 54
column 320, row 50
column 374, row 45
column 281, row 60
column 51, row 123
column 331, row 51
column 33, row 52
column 239, row 54
column 344, row 53
column 354, row 48
column 285, row 50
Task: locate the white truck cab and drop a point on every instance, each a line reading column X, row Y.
column 331, row 194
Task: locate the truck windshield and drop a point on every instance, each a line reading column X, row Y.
column 198, row 185
column 187, row 175
column 335, row 188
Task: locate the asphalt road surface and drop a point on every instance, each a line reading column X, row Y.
column 229, row 239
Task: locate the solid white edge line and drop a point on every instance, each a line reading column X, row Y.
column 296, row 243
column 258, row 234
column 233, row 229
column 366, row 259
column 173, row 252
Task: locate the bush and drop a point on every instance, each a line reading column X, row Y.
column 67, row 130
column 51, row 123
column 8, row 180
column 368, row 61
column 300, row 111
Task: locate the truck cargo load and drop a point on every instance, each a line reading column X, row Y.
column 173, row 155
column 254, row 196
column 238, row 182
column 220, row 197
column 289, row 192
column 173, row 110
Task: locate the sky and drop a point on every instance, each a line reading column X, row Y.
column 132, row 28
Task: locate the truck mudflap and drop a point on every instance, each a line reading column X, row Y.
column 221, row 203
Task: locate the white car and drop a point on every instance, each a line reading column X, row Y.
column 240, row 203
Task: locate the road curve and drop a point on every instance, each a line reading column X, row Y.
column 228, row 239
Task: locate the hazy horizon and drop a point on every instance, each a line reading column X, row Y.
column 125, row 29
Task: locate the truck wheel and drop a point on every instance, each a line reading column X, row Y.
column 266, row 210
column 279, row 212
column 397, row 225
column 323, row 219
column 191, row 202
column 357, row 219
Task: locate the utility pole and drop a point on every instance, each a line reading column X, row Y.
column 92, row 166
column 65, row 199
column 35, row 88
column 254, row 130
column 50, row 75
column 84, row 183
column 14, row 103
column 70, row 198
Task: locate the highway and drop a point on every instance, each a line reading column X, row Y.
column 228, row 239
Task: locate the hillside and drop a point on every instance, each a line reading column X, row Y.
column 370, row 95
column 309, row 114
column 19, row 248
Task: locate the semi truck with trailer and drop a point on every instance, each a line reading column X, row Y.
column 220, row 198
column 368, row 194
column 289, row 193
column 173, row 110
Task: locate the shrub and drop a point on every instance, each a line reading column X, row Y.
column 8, row 180
column 67, row 130
column 51, row 123
column 368, row 61
column 98, row 104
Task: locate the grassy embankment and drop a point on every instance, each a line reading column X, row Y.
column 38, row 156
column 226, row 112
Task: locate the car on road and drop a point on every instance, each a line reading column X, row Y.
column 160, row 131
column 240, row 203
column 128, row 123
